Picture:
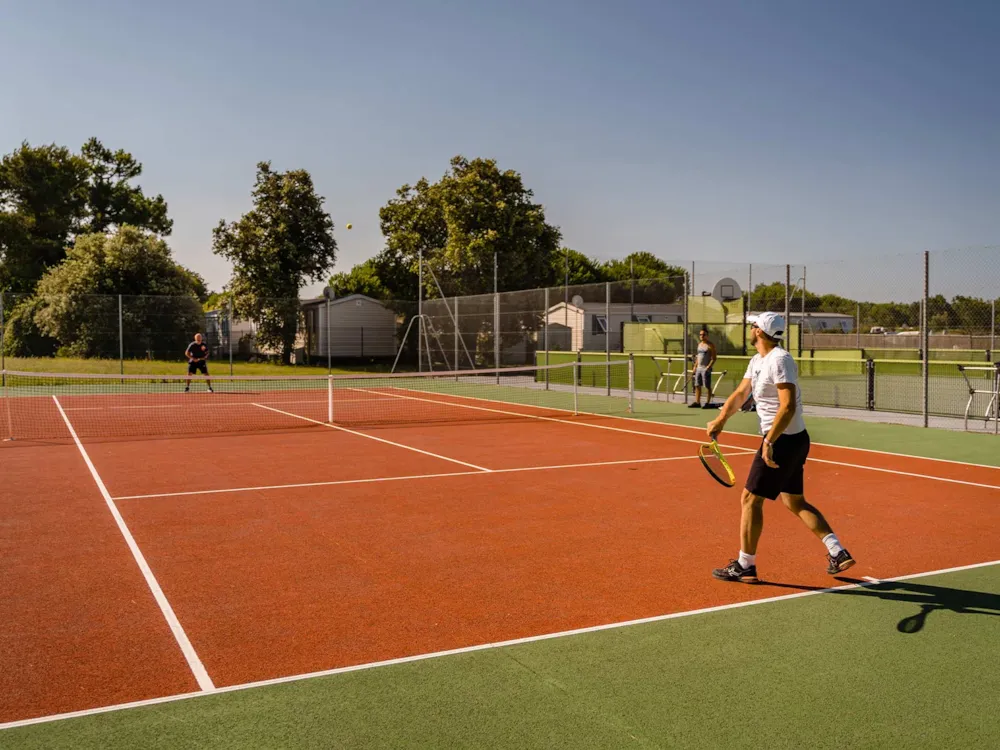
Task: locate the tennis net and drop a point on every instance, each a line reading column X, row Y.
column 44, row 406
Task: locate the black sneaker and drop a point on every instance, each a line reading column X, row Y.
column 210, row 389
column 187, row 390
column 840, row 563
column 694, row 405
column 736, row 572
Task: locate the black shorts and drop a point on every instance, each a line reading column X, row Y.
column 790, row 452
column 201, row 367
column 703, row 377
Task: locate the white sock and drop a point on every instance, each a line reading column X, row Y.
column 833, row 545
column 747, row 561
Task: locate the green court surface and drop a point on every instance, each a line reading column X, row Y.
column 832, row 671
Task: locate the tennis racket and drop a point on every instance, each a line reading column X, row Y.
column 716, row 464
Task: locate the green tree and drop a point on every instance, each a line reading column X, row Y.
column 112, row 201
column 43, row 194
column 473, row 212
column 582, row 270
column 641, row 265
column 76, row 303
column 49, row 196
column 283, row 243
column 362, row 279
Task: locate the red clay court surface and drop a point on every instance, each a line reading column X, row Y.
column 406, row 540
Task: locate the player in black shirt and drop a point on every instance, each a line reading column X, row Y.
column 197, row 356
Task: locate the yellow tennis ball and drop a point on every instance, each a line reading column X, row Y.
column 348, row 226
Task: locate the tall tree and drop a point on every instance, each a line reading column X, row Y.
column 75, row 306
column 49, row 195
column 43, row 194
column 473, row 212
column 283, row 243
column 112, row 201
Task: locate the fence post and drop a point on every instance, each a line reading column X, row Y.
column 993, row 325
column 121, row 340
column 925, row 338
column 420, row 310
column 688, row 283
column 631, row 383
column 857, row 329
column 329, row 330
column 747, row 309
column 545, row 337
column 870, row 380
column 496, row 320
column 3, row 362
column 607, row 335
column 802, row 318
column 230, row 336
column 788, row 300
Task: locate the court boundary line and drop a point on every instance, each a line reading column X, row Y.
column 412, row 477
column 481, row 469
column 187, row 649
column 177, row 697
column 686, row 440
column 640, row 420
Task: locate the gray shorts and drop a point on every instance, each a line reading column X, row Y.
column 703, row 377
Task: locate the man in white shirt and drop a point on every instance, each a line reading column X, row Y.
column 777, row 469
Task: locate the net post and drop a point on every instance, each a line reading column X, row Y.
column 607, row 335
column 631, row 383
column 6, row 408
column 329, row 398
column 457, row 365
column 545, row 337
column 121, row 340
column 925, row 339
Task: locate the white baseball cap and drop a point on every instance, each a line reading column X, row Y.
column 770, row 323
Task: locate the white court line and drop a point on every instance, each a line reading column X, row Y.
column 688, row 440
column 897, row 472
column 372, row 437
column 550, row 419
column 872, row 580
column 642, row 420
column 409, row 477
column 479, row 647
column 194, row 662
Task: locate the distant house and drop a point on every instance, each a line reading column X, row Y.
column 222, row 334
column 584, row 326
column 359, row 326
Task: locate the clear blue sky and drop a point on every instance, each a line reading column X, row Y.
column 766, row 131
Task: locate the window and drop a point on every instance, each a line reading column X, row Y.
column 599, row 324
column 643, row 319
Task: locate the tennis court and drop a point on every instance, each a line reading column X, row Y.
column 517, row 560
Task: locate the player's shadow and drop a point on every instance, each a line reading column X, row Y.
column 928, row 598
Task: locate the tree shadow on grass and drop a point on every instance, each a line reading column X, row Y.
column 928, row 598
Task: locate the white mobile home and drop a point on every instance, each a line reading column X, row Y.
column 584, row 326
column 358, row 326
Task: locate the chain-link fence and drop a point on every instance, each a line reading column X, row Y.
column 907, row 334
